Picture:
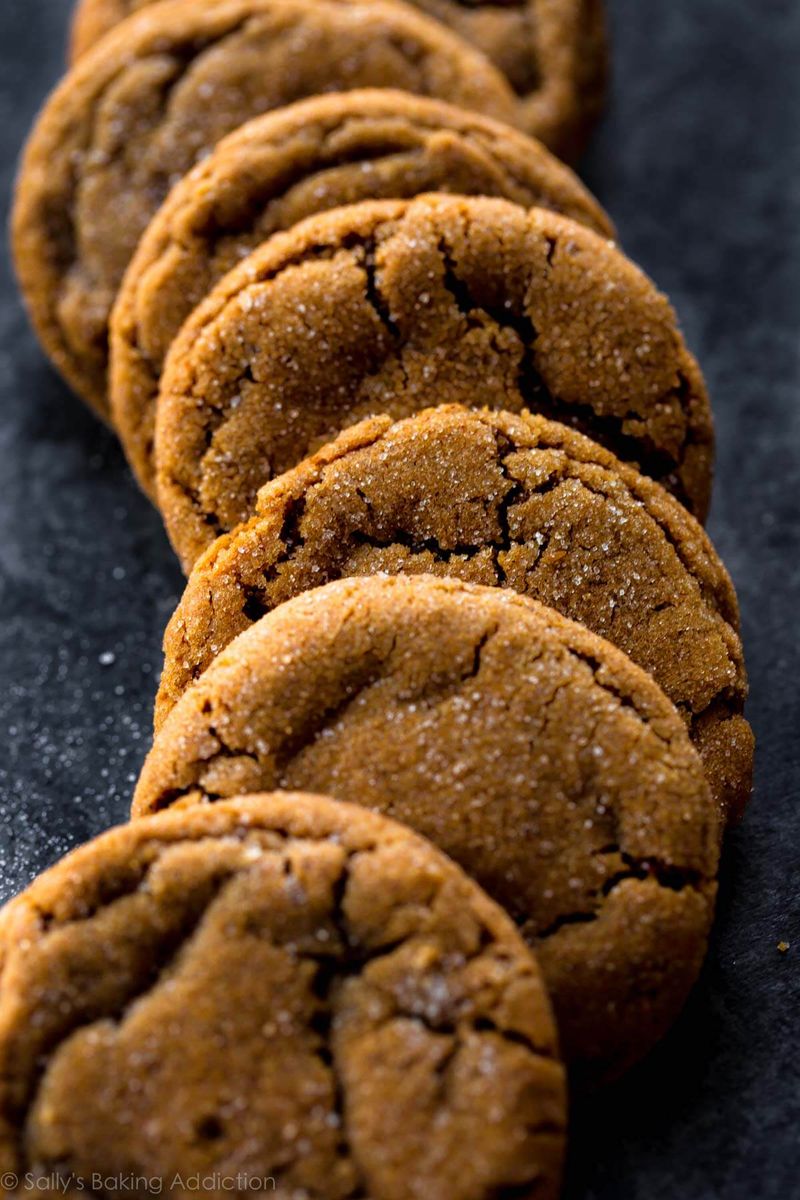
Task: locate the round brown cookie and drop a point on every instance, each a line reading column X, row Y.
column 389, row 306
column 282, row 987
column 512, row 501
column 156, row 96
column 553, row 52
column 534, row 753
column 278, row 169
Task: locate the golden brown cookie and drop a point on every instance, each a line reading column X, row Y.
column 163, row 88
column 553, row 53
column 511, row 501
column 391, row 306
column 552, row 769
column 278, row 169
column 279, row 988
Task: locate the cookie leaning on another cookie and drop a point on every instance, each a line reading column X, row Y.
column 278, row 169
column 389, row 306
column 553, row 53
column 279, row 987
column 512, row 501
column 553, row 770
column 155, row 96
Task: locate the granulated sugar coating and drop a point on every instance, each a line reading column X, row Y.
column 389, row 306
column 280, row 168
column 513, row 501
column 553, row 53
column 533, row 752
column 142, row 108
column 280, row 988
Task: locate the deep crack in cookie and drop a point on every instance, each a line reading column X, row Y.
column 390, row 306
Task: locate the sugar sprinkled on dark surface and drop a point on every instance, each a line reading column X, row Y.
column 699, row 163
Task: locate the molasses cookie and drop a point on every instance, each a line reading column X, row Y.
column 278, row 169
column 552, row 769
column 281, row 988
column 156, row 96
column 511, row 501
column 390, row 306
column 553, row 53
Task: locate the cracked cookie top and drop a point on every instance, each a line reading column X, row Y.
column 390, row 306
column 553, row 53
column 533, row 752
column 156, row 96
column 279, row 988
column 283, row 167
column 510, row 500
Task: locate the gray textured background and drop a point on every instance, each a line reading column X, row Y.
column 699, row 164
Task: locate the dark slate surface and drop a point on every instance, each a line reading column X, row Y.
column 699, row 162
